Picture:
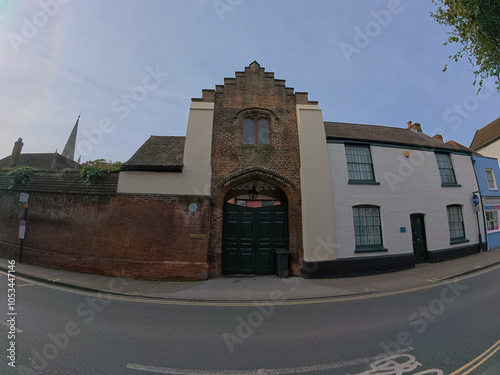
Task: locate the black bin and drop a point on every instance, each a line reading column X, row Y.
column 282, row 262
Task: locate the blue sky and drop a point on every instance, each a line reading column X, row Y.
column 132, row 67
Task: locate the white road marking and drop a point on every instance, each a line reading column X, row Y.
column 275, row 371
column 8, row 325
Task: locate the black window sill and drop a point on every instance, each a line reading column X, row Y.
column 363, row 182
column 369, row 249
column 458, row 240
column 450, row 185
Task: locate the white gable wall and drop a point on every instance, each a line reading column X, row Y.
column 407, row 185
column 196, row 175
column 492, row 150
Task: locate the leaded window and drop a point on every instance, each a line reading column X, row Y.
column 255, row 131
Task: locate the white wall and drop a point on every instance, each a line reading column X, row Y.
column 407, row 185
column 318, row 226
column 196, row 175
column 492, row 150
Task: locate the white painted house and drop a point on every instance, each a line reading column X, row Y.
column 399, row 196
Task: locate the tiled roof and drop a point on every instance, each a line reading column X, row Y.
column 462, row 147
column 64, row 183
column 486, row 135
column 382, row 134
column 158, row 154
column 44, row 161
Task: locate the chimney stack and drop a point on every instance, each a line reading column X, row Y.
column 16, row 153
column 415, row 127
column 438, row 137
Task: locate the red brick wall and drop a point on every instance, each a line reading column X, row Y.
column 150, row 237
column 255, row 91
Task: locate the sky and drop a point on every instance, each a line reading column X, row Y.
column 131, row 67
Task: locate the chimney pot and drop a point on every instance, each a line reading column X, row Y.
column 415, row 127
column 16, row 153
column 438, row 137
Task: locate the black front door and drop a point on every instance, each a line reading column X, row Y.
column 418, row 236
column 251, row 237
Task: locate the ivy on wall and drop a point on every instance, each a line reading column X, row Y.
column 93, row 170
column 20, row 176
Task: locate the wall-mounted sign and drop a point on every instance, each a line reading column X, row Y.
column 492, row 204
column 475, row 199
column 24, row 198
column 22, row 230
column 193, row 207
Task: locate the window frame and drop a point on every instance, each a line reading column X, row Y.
column 497, row 229
column 442, row 169
column 462, row 238
column 241, row 202
column 486, row 170
column 372, row 181
column 256, row 119
column 373, row 247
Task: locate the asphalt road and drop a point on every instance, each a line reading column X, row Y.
column 433, row 331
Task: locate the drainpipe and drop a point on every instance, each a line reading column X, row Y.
column 482, row 210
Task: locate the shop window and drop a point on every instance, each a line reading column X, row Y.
column 492, row 221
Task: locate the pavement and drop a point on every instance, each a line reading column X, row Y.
column 262, row 288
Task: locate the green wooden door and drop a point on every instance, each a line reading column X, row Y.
column 418, row 237
column 251, row 237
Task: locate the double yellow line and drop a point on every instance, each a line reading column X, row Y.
column 480, row 360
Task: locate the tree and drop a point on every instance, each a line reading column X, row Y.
column 476, row 26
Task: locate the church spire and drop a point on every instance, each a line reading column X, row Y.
column 69, row 149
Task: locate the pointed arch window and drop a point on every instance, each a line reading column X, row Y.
column 255, row 131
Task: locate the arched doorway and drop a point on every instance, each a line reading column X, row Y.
column 255, row 225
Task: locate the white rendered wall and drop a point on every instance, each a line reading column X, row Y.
column 318, row 226
column 196, row 175
column 492, row 150
column 407, row 186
